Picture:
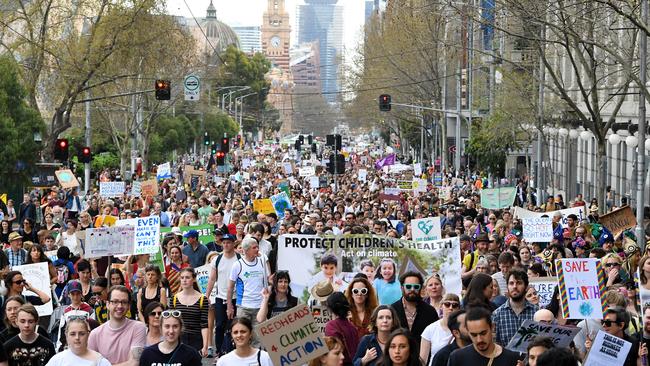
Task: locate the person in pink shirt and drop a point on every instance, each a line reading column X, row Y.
column 120, row 340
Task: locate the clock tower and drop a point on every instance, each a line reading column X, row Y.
column 276, row 31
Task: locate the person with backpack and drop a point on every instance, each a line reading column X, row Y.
column 219, row 274
column 193, row 306
column 64, row 269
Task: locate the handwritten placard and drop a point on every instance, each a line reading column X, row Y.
column 149, row 188
column 292, row 338
column 544, row 286
column 608, row 350
column 561, row 336
column 581, row 281
column 321, row 314
column 619, row 220
column 111, row 189
column 104, row 241
column 38, row 276
column 147, row 233
column 537, row 229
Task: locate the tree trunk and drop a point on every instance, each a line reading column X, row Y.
column 601, row 183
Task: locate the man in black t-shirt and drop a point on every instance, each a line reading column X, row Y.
column 478, row 321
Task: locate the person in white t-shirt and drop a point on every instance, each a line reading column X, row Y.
column 77, row 332
column 437, row 334
column 244, row 353
column 248, row 278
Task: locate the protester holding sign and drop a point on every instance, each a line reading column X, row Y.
column 615, row 322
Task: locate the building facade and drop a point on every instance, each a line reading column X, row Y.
column 276, row 34
column 250, row 38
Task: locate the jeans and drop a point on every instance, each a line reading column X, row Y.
column 222, row 339
column 251, row 314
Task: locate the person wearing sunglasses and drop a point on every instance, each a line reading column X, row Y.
column 615, row 274
column 153, row 314
column 615, row 322
column 438, row 334
column 414, row 314
column 363, row 300
column 170, row 351
column 120, row 340
column 16, row 283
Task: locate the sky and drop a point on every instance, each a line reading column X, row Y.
column 249, row 12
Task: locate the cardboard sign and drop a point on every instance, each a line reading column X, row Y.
column 136, row 189
column 280, row 203
column 362, row 175
column 561, row 336
column 582, row 282
column 405, row 185
column 307, row 171
column 608, row 350
column 426, row 229
column 104, row 241
column 321, row 314
column 537, row 229
column 149, row 188
column 66, row 178
column 111, row 189
column 292, row 338
column 164, row 171
column 544, row 286
column 619, row 220
column 497, row 198
column 417, row 169
column 147, row 233
column 38, row 276
column 264, row 206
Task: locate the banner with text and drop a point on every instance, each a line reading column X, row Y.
column 496, row 198
column 523, row 213
column 581, row 281
column 292, row 338
column 104, row 241
column 619, row 220
column 147, row 233
column 544, row 286
column 302, row 254
column 537, row 229
column 561, row 336
column 608, row 350
column 111, row 189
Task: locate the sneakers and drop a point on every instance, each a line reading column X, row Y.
column 210, row 352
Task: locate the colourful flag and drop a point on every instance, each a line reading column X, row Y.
column 385, row 161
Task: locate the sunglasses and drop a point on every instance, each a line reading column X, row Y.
column 174, row 313
column 451, row 304
column 608, row 323
column 360, row 291
column 20, row 282
column 155, row 313
column 608, row 265
column 412, row 286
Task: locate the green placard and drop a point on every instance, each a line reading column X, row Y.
column 205, row 232
column 497, row 198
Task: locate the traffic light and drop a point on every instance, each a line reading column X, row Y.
column 214, row 149
column 301, row 138
column 337, row 167
column 61, row 149
column 310, row 139
column 206, row 139
column 334, row 141
column 85, row 156
column 298, row 145
column 238, row 140
column 313, row 148
column 384, row 102
column 225, row 145
column 163, row 90
column 221, row 158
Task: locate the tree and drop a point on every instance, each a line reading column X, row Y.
column 18, row 125
column 490, row 142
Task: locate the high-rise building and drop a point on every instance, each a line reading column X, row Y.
column 305, row 66
column 276, row 32
column 250, row 38
column 322, row 21
column 370, row 6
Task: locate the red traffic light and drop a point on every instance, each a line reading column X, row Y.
column 85, row 151
column 63, row 143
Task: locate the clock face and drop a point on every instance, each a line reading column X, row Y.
column 275, row 41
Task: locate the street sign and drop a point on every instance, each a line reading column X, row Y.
column 192, row 87
column 452, row 149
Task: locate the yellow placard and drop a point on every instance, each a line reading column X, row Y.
column 264, row 206
column 3, row 198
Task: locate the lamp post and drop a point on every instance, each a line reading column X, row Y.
column 640, row 183
column 241, row 111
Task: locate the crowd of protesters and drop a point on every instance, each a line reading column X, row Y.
column 128, row 311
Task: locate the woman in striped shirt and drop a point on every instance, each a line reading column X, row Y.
column 194, row 311
column 173, row 269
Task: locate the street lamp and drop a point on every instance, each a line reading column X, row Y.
column 614, row 139
column 241, row 111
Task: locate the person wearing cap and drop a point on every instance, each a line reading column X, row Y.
column 221, row 266
column 196, row 252
column 471, row 259
column 15, row 253
column 77, row 308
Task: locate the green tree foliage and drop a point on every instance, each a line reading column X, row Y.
column 18, row 123
column 216, row 124
column 490, row 141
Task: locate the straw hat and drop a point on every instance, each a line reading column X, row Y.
column 322, row 290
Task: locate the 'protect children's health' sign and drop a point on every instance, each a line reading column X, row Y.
column 581, row 281
column 292, row 338
column 147, row 233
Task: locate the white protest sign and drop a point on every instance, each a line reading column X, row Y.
column 392, row 191
column 202, row 278
column 544, row 286
column 111, row 189
column 292, row 338
column 608, row 350
column 288, row 168
column 136, row 189
column 523, row 213
column 362, row 175
column 581, row 288
column 164, row 171
column 417, row 169
column 426, row 229
column 419, row 185
column 38, row 276
column 314, row 183
column 147, row 233
column 561, row 336
column 245, row 163
column 105, row 241
column 307, row 171
column 537, row 229
column 322, row 314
